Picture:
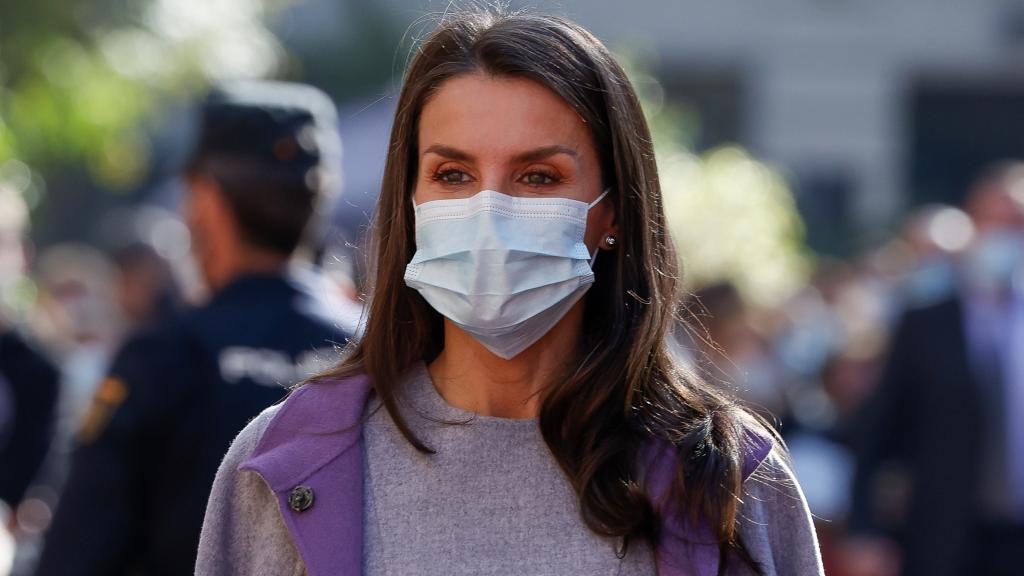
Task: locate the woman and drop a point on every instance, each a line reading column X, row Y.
column 533, row 420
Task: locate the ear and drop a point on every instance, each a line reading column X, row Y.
column 601, row 222
column 609, row 228
column 206, row 204
column 611, row 239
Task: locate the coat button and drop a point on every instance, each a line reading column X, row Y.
column 301, row 498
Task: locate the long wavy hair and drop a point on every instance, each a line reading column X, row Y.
column 628, row 389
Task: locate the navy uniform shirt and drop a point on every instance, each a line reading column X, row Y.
column 175, row 397
column 29, row 385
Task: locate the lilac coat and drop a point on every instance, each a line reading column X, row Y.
column 314, row 441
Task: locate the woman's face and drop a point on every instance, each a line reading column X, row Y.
column 513, row 135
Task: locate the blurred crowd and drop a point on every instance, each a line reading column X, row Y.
column 890, row 375
column 126, row 370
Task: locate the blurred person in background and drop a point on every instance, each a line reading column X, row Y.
column 179, row 391
column 732, row 351
column 827, row 346
column 949, row 409
column 78, row 319
column 29, row 382
column 75, row 319
column 146, row 292
column 931, row 242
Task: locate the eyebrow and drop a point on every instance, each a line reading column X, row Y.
column 528, row 156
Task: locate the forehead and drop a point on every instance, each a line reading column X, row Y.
column 484, row 113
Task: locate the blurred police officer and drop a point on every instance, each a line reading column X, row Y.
column 29, row 382
column 948, row 410
column 176, row 395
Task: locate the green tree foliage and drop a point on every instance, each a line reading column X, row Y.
column 79, row 78
column 61, row 102
column 732, row 217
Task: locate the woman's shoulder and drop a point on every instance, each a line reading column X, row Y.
column 774, row 521
column 773, row 473
column 243, row 532
column 313, row 405
column 243, row 446
column 768, row 476
column 660, row 459
column 317, row 406
column 756, row 445
column 759, row 443
column 319, row 421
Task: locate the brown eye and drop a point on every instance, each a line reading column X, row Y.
column 451, row 176
column 538, row 179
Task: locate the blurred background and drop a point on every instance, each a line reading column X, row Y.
column 822, row 162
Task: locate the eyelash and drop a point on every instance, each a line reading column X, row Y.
column 550, row 175
column 441, row 175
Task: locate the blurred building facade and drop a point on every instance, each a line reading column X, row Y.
column 870, row 108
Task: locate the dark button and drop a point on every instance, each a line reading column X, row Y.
column 301, row 498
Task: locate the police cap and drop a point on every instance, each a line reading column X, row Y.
column 268, row 128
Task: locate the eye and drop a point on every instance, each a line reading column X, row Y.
column 451, row 176
column 539, row 178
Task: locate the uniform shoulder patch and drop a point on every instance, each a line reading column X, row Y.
column 111, row 393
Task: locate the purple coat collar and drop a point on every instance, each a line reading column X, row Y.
column 314, row 441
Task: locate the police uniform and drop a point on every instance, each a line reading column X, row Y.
column 174, row 398
column 29, row 385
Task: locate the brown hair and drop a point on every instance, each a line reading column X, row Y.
column 628, row 388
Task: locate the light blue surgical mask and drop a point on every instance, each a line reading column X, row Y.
column 991, row 263
column 505, row 269
column 931, row 281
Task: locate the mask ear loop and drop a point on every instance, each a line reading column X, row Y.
column 599, row 198
column 589, row 206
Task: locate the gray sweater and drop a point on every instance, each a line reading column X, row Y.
column 510, row 511
column 491, row 501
